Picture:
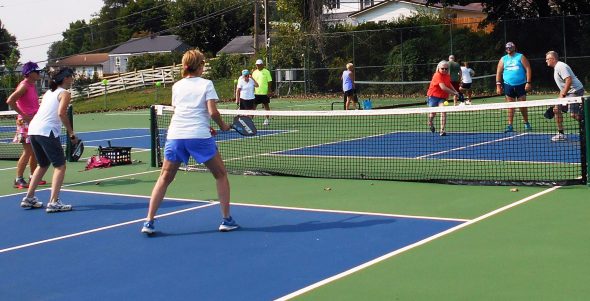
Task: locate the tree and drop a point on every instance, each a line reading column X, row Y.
column 210, row 24
column 506, row 10
column 8, row 44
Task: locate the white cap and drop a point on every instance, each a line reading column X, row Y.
column 259, row 62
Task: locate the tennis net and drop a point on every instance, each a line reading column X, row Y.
column 12, row 151
column 394, row 94
column 397, row 144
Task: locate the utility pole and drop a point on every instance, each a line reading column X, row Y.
column 255, row 28
column 266, row 33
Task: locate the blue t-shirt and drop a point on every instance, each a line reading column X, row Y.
column 514, row 73
column 346, row 81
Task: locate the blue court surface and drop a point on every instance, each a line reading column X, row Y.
column 96, row 252
column 140, row 138
column 523, row 147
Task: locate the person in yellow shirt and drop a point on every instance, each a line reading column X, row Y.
column 262, row 93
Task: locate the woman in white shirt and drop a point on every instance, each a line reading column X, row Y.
column 44, row 132
column 189, row 134
column 245, row 91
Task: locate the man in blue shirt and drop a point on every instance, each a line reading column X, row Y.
column 513, row 76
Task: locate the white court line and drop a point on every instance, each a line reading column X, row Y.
column 352, row 212
column 412, row 246
column 471, row 145
column 119, row 138
column 100, row 229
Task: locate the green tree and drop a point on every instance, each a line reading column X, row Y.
column 8, row 44
column 209, row 30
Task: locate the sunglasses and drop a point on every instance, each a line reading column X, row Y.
column 444, row 68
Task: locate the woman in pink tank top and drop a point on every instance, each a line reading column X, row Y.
column 25, row 101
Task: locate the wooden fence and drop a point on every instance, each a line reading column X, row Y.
column 129, row 80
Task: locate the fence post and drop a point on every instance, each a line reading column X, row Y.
column 586, row 137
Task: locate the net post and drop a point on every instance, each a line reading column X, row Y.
column 69, row 141
column 586, row 137
column 153, row 136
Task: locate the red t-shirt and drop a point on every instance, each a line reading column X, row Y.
column 435, row 90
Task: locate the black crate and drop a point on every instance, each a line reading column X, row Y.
column 119, row 155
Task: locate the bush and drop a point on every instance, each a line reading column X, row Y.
column 228, row 66
column 156, row 60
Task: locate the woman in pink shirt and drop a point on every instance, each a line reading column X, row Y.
column 25, row 101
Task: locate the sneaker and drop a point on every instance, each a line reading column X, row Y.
column 443, row 133
column 527, row 127
column 42, row 182
column 559, row 137
column 31, row 202
column 228, row 224
column 20, row 183
column 266, row 122
column 468, row 102
column 148, row 228
column 57, row 206
column 509, row 129
column 432, row 129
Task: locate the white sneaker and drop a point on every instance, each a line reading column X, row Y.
column 31, row 202
column 57, row 206
column 468, row 102
column 559, row 137
column 266, row 121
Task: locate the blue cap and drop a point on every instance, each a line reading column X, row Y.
column 62, row 74
column 245, row 72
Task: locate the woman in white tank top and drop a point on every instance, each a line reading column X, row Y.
column 44, row 131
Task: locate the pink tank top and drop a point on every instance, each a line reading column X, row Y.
column 28, row 103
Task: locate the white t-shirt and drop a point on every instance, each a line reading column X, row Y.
column 563, row 71
column 47, row 120
column 191, row 117
column 466, row 74
column 247, row 88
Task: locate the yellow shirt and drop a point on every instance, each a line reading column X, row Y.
column 262, row 78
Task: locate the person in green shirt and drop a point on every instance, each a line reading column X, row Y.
column 262, row 93
column 455, row 73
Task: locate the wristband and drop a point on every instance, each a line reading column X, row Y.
column 528, row 82
column 498, row 83
column 72, row 137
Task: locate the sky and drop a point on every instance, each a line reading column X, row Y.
column 29, row 19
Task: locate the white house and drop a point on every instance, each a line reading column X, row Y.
column 382, row 11
column 338, row 11
column 393, row 10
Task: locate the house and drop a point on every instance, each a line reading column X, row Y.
column 85, row 65
column 338, row 11
column 382, row 11
column 393, row 10
column 119, row 56
column 242, row 45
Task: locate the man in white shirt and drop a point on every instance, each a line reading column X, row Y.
column 466, row 81
column 569, row 86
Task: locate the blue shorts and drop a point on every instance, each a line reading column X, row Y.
column 179, row 150
column 514, row 91
column 435, row 101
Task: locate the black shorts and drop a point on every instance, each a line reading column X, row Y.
column 261, row 99
column 246, row 104
column 466, row 85
column 48, row 150
column 350, row 92
column 514, row 91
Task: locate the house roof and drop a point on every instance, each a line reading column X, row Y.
column 242, row 45
column 473, row 7
column 82, row 60
column 151, row 44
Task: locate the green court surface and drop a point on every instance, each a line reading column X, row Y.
column 536, row 250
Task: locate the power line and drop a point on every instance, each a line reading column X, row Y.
column 187, row 23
